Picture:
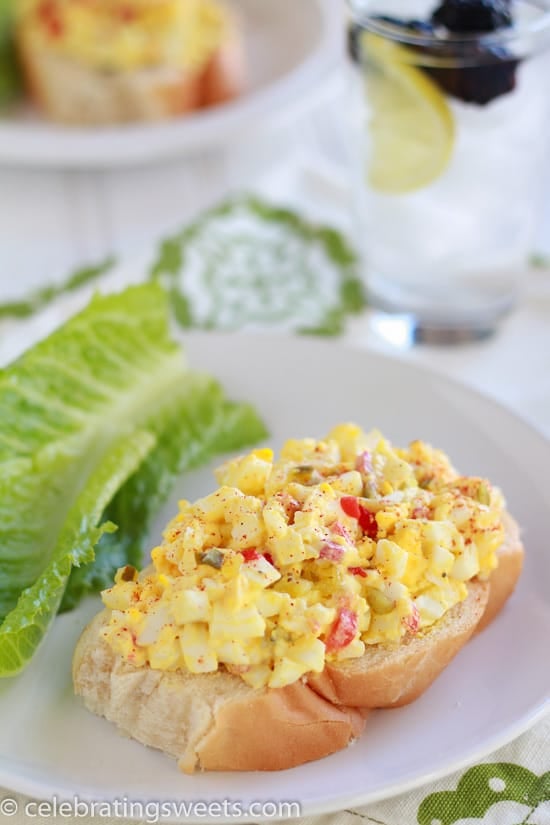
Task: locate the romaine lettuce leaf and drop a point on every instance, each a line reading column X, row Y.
column 187, row 436
column 66, row 407
column 10, row 75
column 23, row 628
column 10, row 78
column 63, row 405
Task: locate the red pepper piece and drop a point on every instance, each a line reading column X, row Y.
column 268, row 557
column 358, row 571
column 250, row 554
column 366, row 519
column 350, row 506
column 367, row 522
column 342, row 631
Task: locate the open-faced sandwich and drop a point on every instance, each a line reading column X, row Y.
column 110, row 61
column 303, row 592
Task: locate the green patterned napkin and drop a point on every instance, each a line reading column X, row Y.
column 248, row 265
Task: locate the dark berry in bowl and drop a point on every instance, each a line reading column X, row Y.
column 473, row 16
column 493, row 75
column 483, row 72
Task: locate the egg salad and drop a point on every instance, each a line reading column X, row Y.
column 122, row 35
column 292, row 562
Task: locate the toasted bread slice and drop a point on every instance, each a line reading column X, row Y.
column 504, row 579
column 212, row 721
column 73, row 93
column 393, row 676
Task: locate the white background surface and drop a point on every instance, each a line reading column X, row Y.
column 54, row 221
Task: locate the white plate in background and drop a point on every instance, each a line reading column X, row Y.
column 292, row 47
column 495, row 689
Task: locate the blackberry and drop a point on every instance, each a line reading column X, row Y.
column 473, row 16
column 493, row 75
column 493, row 69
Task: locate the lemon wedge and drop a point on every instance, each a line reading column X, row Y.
column 412, row 127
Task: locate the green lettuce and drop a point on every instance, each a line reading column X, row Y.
column 187, row 437
column 110, row 383
column 10, row 75
column 24, row 627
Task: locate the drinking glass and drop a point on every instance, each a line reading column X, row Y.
column 450, row 140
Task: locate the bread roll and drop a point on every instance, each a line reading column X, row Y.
column 504, row 579
column 390, row 677
column 77, row 94
column 212, row 721
column 393, row 676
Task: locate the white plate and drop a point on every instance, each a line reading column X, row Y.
column 291, row 48
column 495, row 689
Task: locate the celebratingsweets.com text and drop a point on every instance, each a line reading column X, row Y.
column 150, row 812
